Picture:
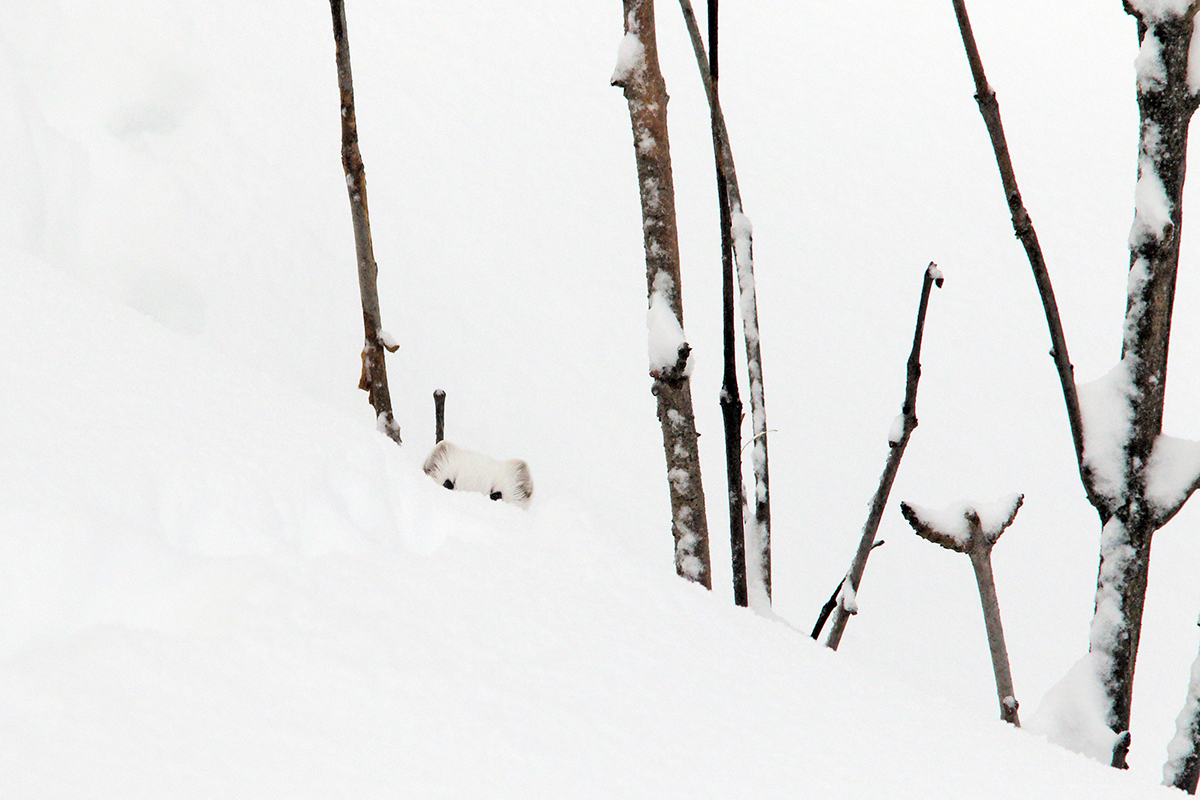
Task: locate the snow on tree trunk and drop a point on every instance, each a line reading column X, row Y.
column 1167, row 99
column 638, row 74
column 758, row 529
column 374, row 369
column 1182, row 769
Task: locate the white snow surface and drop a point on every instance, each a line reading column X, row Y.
column 1193, row 70
column 742, row 231
column 1073, row 713
column 1184, row 743
column 1152, row 208
column 847, row 599
column 215, row 587
column 1151, row 72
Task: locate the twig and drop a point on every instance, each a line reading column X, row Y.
column 909, row 415
column 731, row 402
column 827, row 609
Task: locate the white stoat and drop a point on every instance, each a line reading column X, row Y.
column 464, row 470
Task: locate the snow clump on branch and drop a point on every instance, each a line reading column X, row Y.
column 631, row 56
column 668, row 346
column 1107, row 415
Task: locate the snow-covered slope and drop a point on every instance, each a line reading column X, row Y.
column 212, row 587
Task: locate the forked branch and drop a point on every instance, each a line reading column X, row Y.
column 965, row 530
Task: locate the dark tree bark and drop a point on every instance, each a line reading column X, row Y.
column 977, row 545
column 639, row 75
column 1166, row 104
column 374, row 370
column 1128, row 514
column 731, row 402
column 758, row 556
column 896, row 444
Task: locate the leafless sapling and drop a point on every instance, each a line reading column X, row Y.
column 967, row 530
column 374, row 370
column 1123, row 482
column 737, row 249
column 898, row 437
column 638, row 74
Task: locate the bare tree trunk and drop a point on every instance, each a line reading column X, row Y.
column 1166, row 103
column 374, row 370
column 897, row 441
column 758, row 554
column 1117, row 484
column 977, row 541
column 638, row 74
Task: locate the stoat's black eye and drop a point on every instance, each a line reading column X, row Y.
column 496, row 495
column 449, row 484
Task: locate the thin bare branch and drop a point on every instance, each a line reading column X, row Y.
column 879, row 502
column 827, row 609
column 439, row 415
column 989, row 108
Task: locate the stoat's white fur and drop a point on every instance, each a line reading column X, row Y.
column 464, row 470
